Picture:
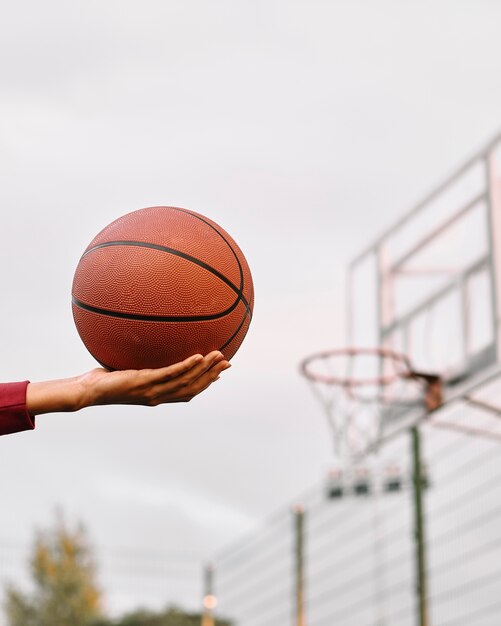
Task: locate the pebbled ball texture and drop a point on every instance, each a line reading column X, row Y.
column 158, row 285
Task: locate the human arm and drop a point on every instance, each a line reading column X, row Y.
column 176, row 383
column 20, row 402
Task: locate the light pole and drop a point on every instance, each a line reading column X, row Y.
column 209, row 601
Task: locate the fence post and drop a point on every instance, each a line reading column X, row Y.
column 300, row 614
column 418, row 478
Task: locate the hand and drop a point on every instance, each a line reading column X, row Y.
column 150, row 387
column 176, row 383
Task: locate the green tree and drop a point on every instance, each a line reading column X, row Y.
column 64, row 589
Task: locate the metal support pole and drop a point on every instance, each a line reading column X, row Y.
column 299, row 617
column 419, row 530
column 209, row 602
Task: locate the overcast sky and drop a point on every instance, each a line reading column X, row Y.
column 303, row 128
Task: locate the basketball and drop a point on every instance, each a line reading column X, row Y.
column 158, row 285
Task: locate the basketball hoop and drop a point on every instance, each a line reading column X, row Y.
column 367, row 392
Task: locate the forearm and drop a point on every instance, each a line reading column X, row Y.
column 55, row 396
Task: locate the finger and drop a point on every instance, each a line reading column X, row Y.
column 181, row 376
column 207, row 378
column 186, row 391
column 201, row 385
column 176, row 370
column 214, row 368
column 209, row 361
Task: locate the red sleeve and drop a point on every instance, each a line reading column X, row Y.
column 14, row 415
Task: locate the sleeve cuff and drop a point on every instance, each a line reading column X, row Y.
column 14, row 416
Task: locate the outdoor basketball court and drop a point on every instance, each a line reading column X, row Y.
column 406, row 529
column 159, row 160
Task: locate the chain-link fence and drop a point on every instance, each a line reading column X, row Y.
column 361, row 548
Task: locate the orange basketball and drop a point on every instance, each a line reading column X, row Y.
column 158, row 285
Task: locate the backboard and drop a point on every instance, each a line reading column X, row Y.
column 429, row 287
column 423, row 315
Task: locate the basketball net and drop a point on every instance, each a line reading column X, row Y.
column 367, row 392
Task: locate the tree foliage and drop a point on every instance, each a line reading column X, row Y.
column 64, row 589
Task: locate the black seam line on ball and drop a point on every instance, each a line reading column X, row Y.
column 199, row 217
column 182, row 255
column 227, row 343
column 248, row 313
column 154, row 318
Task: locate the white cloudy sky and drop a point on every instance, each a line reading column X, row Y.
column 303, row 128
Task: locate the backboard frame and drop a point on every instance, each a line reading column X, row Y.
column 479, row 181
